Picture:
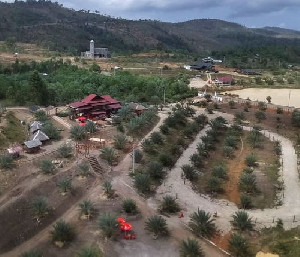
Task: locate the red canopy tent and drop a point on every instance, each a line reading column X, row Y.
column 81, row 118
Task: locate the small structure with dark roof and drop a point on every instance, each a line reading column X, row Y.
column 40, row 135
column 137, row 108
column 249, row 72
column 33, row 146
column 34, row 126
column 203, row 66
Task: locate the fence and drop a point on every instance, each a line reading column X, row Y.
column 287, row 109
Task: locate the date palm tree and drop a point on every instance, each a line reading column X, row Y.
column 157, row 225
column 86, row 208
column 239, row 246
column 90, row 252
column 40, row 207
column 190, row 248
column 62, row 232
column 241, row 221
column 202, row 224
column 169, row 204
column 108, row 224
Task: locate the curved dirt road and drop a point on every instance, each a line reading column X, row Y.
column 191, row 200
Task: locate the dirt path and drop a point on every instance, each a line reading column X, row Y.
column 197, row 83
column 191, row 200
column 124, row 186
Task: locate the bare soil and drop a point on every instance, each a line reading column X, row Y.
column 284, row 127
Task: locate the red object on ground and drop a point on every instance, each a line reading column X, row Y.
column 180, row 215
column 126, row 226
column 133, row 236
column 81, row 118
column 121, row 220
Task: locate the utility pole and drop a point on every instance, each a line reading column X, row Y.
column 133, row 159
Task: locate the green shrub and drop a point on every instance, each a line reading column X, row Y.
column 169, row 204
column 78, row 133
column 190, row 248
column 251, row 160
column 296, row 118
column 232, row 141
column 196, row 160
column 202, row 224
column 157, row 138
column 41, row 115
column 166, row 160
column 108, row 224
column 6, row 161
column 107, row 187
column 246, row 202
column 46, row 166
column 65, row 185
column 248, row 170
column 142, row 183
column 157, row 225
column 84, row 169
column 262, row 106
column 86, row 208
column 90, row 127
column 129, row 206
column 220, row 171
column 260, row 116
column 231, row 104
column 108, row 154
column 247, row 183
column 239, row 246
column 164, row 129
column 241, row 221
column 65, row 151
column 120, row 141
column 155, row 170
column 138, row 155
column 40, row 207
column 228, row 151
column 62, row 232
column 214, row 185
column 189, row 172
column 51, row 131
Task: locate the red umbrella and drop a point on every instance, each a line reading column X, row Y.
column 121, row 220
column 81, row 118
column 126, row 227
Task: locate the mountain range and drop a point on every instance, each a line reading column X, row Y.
column 58, row 28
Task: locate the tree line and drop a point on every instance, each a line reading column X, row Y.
column 57, row 82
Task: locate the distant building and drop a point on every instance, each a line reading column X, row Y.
column 248, row 72
column 95, row 106
column 95, row 53
column 202, row 66
column 224, row 81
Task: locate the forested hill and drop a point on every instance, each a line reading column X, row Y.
column 63, row 29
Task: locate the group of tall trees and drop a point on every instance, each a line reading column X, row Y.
column 57, row 82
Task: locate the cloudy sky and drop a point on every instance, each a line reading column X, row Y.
column 251, row 13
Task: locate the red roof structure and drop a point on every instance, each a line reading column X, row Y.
column 95, row 104
column 225, row 80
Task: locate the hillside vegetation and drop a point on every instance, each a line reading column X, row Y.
column 63, row 29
